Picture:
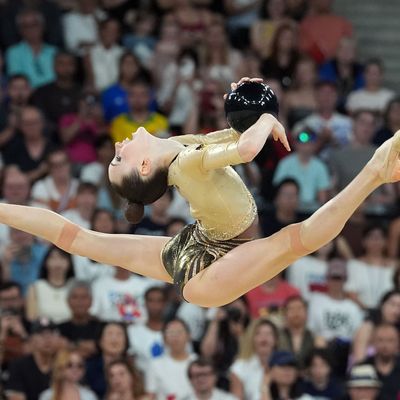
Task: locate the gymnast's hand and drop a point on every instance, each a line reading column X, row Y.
column 234, row 85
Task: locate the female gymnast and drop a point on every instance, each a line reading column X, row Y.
column 213, row 261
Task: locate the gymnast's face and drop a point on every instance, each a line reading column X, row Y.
column 131, row 154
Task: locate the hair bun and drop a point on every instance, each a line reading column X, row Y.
column 134, row 212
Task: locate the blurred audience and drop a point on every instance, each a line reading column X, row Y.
column 47, row 297
column 67, row 373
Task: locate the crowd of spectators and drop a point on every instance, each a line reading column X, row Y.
column 78, row 75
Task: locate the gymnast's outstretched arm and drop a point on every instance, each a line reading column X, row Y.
column 139, row 254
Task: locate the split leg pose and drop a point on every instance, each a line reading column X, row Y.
column 241, row 269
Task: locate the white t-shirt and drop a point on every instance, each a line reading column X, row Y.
column 195, row 317
column 362, row 99
column 167, row 377
column 216, row 394
column 81, row 28
column 84, row 394
column 105, row 65
column 144, row 344
column 250, row 373
column 88, row 270
column 331, row 318
column 52, row 301
column 74, row 216
column 307, row 273
column 368, row 281
column 44, row 191
column 93, row 173
column 117, row 300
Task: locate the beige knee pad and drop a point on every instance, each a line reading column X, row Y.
column 67, row 236
column 296, row 244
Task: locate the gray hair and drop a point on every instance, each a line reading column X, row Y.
column 79, row 285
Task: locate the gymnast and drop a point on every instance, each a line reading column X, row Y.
column 215, row 260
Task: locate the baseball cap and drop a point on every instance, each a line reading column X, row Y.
column 41, row 325
column 282, row 358
column 363, row 376
column 337, row 268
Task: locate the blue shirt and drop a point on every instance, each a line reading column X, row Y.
column 312, row 178
column 115, row 102
column 38, row 68
column 29, row 271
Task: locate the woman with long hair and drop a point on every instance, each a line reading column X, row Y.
column 124, row 381
column 213, row 261
column 282, row 59
column 67, row 373
column 47, row 297
column 388, row 312
column 256, row 347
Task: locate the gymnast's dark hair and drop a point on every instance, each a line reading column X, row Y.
column 139, row 192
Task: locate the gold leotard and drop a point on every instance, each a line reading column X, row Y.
column 219, row 201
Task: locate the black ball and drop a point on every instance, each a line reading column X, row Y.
column 245, row 104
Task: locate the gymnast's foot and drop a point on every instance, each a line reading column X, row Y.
column 386, row 160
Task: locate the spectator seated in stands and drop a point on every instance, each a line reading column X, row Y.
column 139, row 115
column 333, row 316
column 14, row 328
column 89, row 270
column 269, row 298
column 308, row 273
column 321, row 31
column 333, row 129
column 113, row 345
column 30, row 375
column 283, row 56
column 373, row 96
column 363, row 383
column 284, row 381
column 252, row 363
column 285, row 202
column 61, row 96
column 146, row 339
column 86, row 198
column 295, row 336
column 221, row 338
column 80, row 26
column 47, row 297
column 371, row 275
column 22, row 259
column 391, row 122
column 307, row 170
column 67, row 373
column 102, row 60
column 32, row 56
column 115, row 98
column 30, row 146
column 167, row 374
column 388, row 312
column 344, row 70
column 124, row 381
column 320, row 382
column 203, row 378
column 57, row 191
column 300, row 100
column 82, row 329
column 386, row 360
column 121, row 297
column 15, row 97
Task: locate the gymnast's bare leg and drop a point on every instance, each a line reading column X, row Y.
column 137, row 253
column 253, row 263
